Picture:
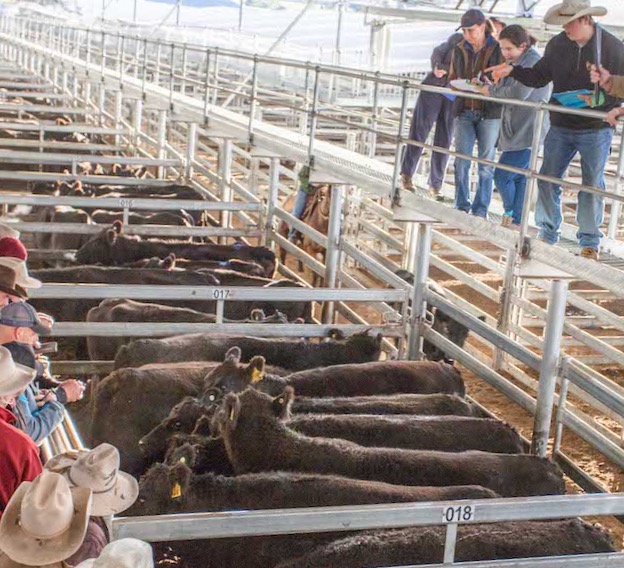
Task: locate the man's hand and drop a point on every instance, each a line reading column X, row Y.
column 499, row 71
column 439, row 73
column 601, row 76
column 613, row 114
column 73, row 389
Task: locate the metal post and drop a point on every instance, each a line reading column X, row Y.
column 616, row 206
column 171, row 78
column 252, row 102
column 398, row 154
column 215, row 90
column 207, row 85
column 423, row 253
column 548, row 371
column 313, row 115
column 117, row 114
column 162, row 141
column 191, row 144
column 137, row 119
column 134, row 12
column 144, row 75
column 184, row 65
column 103, row 54
column 332, row 254
column 225, row 167
column 561, row 408
column 157, row 70
column 102, row 104
column 372, row 148
column 515, row 254
column 339, row 32
column 411, row 238
column 240, row 15
column 274, row 171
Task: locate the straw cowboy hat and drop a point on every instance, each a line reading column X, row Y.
column 569, row 10
column 21, row 272
column 113, row 490
column 124, row 553
column 13, row 376
column 45, row 521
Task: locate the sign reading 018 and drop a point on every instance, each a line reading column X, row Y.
column 458, row 514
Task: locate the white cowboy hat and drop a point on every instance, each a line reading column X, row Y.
column 21, row 272
column 45, row 521
column 8, row 231
column 113, row 490
column 13, row 376
column 569, row 10
column 124, row 553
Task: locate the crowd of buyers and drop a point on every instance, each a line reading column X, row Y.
column 56, row 515
column 583, row 64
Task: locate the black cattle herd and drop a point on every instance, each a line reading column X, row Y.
column 212, row 422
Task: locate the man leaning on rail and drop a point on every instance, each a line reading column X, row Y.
column 566, row 61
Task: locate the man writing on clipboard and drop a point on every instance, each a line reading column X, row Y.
column 566, row 61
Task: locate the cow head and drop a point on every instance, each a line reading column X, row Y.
column 161, row 489
column 100, row 249
column 181, row 419
column 364, row 347
column 232, row 376
column 251, row 408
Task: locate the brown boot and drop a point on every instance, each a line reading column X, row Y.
column 589, row 252
column 406, row 181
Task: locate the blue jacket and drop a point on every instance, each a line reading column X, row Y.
column 518, row 122
column 37, row 422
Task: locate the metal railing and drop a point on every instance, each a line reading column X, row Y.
column 507, row 338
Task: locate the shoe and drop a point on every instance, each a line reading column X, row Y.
column 589, row 252
column 507, row 220
column 436, row 193
column 406, row 181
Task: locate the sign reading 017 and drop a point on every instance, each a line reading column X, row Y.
column 458, row 514
column 221, row 293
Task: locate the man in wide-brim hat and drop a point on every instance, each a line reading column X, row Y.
column 566, row 63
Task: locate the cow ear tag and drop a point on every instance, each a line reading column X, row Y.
column 256, row 376
column 182, row 460
column 232, row 414
column 176, row 491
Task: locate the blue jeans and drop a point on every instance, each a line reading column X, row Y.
column 510, row 185
column 470, row 125
column 298, row 207
column 560, row 147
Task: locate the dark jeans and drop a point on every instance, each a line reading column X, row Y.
column 511, row 186
column 430, row 108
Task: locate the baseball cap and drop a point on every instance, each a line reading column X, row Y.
column 472, row 17
column 22, row 314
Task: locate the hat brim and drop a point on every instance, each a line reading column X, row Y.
column 26, row 549
column 20, row 379
column 13, row 291
column 29, row 282
column 553, row 16
column 41, row 329
column 120, row 497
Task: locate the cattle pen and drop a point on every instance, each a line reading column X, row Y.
column 546, row 327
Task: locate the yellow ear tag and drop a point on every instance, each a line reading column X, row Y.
column 176, row 491
column 280, row 400
column 256, row 376
column 232, row 414
column 182, row 460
